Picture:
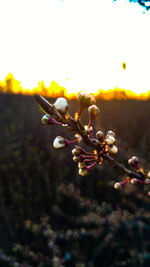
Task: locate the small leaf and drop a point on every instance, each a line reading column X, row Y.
column 42, row 109
column 44, row 104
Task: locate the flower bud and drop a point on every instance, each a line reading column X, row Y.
column 81, row 165
column 147, row 181
column 93, row 112
column 133, row 161
column 110, row 133
column 95, row 141
column 59, row 142
column 90, row 100
column 61, row 105
column 78, row 138
column 82, row 98
column 100, row 135
column 134, row 181
column 113, row 150
column 117, row 186
column 83, row 172
column 110, row 140
column 85, row 100
column 148, row 175
column 46, row 119
column 76, row 159
column 88, row 129
column 76, row 151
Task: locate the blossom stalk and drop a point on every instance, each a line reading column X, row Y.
column 86, row 157
column 88, row 168
column 88, row 160
column 102, row 145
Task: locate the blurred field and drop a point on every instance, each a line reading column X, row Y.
column 49, row 215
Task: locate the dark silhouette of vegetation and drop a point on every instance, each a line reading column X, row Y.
column 51, row 216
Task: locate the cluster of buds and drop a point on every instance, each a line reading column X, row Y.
column 108, row 142
column 137, row 177
column 84, row 158
column 103, row 145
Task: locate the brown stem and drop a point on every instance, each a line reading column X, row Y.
column 47, row 107
column 80, row 111
column 78, row 127
column 122, row 167
column 74, row 126
column 87, row 140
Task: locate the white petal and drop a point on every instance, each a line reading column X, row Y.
column 61, row 104
column 57, row 144
column 110, row 140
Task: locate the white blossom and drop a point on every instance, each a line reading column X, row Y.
column 100, row 135
column 78, row 137
column 113, row 150
column 110, row 133
column 93, row 111
column 83, row 172
column 45, row 119
column 148, row 175
column 134, row 181
column 76, row 151
column 59, row 142
column 87, row 128
column 81, row 165
column 117, row 186
column 133, row 160
column 61, row 105
column 76, row 159
column 147, row 181
column 110, row 140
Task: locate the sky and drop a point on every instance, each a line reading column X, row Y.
column 80, row 44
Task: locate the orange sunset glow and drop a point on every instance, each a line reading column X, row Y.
column 11, row 85
column 51, row 49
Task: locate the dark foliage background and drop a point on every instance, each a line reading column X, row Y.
column 51, row 216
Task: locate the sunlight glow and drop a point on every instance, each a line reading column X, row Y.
column 79, row 44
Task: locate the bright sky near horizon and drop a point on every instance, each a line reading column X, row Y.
column 81, row 44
